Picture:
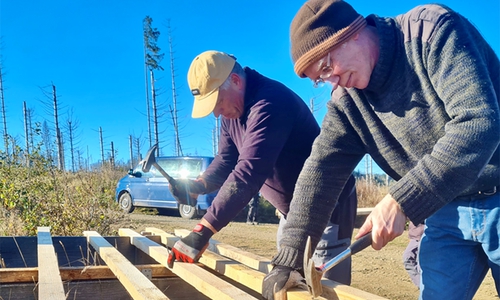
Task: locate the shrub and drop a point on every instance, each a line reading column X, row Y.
column 70, row 203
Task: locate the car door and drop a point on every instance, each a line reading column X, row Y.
column 159, row 194
column 139, row 186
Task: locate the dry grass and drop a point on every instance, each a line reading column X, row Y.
column 369, row 193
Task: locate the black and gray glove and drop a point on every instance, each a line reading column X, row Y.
column 281, row 279
column 190, row 248
column 186, row 191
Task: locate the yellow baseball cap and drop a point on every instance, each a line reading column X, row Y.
column 207, row 73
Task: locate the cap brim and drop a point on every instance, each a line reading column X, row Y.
column 203, row 106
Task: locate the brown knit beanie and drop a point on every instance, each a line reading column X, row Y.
column 318, row 27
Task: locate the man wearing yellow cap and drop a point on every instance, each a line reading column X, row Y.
column 420, row 94
column 267, row 132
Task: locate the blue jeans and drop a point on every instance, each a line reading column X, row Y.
column 460, row 244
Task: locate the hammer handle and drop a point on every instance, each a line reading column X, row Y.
column 165, row 174
column 362, row 243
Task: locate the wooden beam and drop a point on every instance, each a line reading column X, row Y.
column 335, row 290
column 252, row 260
column 331, row 289
column 245, row 275
column 17, row 275
column 49, row 284
column 205, row 282
column 241, row 273
column 166, row 238
column 135, row 282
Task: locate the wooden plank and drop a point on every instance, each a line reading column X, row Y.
column 245, row 275
column 331, row 289
column 49, row 284
column 166, row 238
column 13, row 275
column 202, row 280
column 136, row 283
column 252, row 260
column 335, row 290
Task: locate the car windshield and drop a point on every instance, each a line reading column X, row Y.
column 177, row 168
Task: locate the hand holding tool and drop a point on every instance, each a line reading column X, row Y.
column 190, row 248
column 180, row 189
column 313, row 274
column 150, row 160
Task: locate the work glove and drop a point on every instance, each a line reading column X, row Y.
column 186, row 191
column 190, row 248
column 281, row 279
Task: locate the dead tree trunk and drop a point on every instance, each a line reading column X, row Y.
column 102, row 146
column 138, row 148
column 60, row 150
column 4, row 116
column 26, row 134
column 178, row 148
column 131, row 151
column 71, row 149
column 155, row 112
column 112, row 157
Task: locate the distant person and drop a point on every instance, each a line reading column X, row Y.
column 410, row 255
column 419, row 93
column 267, row 132
column 253, row 210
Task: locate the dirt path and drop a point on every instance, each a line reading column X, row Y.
column 377, row 272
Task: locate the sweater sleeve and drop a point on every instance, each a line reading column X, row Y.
column 267, row 129
column 463, row 71
column 319, row 185
column 224, row 161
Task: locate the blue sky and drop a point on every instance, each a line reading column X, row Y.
column 92, row 51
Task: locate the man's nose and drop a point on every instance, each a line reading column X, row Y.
column 333, row 80
column 216, row 112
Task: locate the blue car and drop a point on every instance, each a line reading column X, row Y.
column 150, row 189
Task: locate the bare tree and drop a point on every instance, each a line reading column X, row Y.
column 138, row 148
column 47, row 141
column 131, row 149
column 177, row 141
column 52, row 107
column 102, row 146
column 152, row 57
column 2, row 102
column 112, row 155
column 72, row 126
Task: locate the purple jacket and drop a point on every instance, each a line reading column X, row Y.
column 264, row 149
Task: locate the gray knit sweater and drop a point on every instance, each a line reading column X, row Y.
column 429, row 118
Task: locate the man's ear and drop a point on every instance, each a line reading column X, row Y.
column 236, row 80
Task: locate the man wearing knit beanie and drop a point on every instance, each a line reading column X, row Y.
column 419, row 94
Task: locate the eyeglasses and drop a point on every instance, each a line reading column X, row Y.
column 326, row 72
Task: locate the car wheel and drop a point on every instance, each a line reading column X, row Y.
column 187, row 212
column 125, row 202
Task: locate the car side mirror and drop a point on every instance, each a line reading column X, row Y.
column 130, row 172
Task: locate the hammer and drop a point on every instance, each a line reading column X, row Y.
column 313, row 274
column 151, row 161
